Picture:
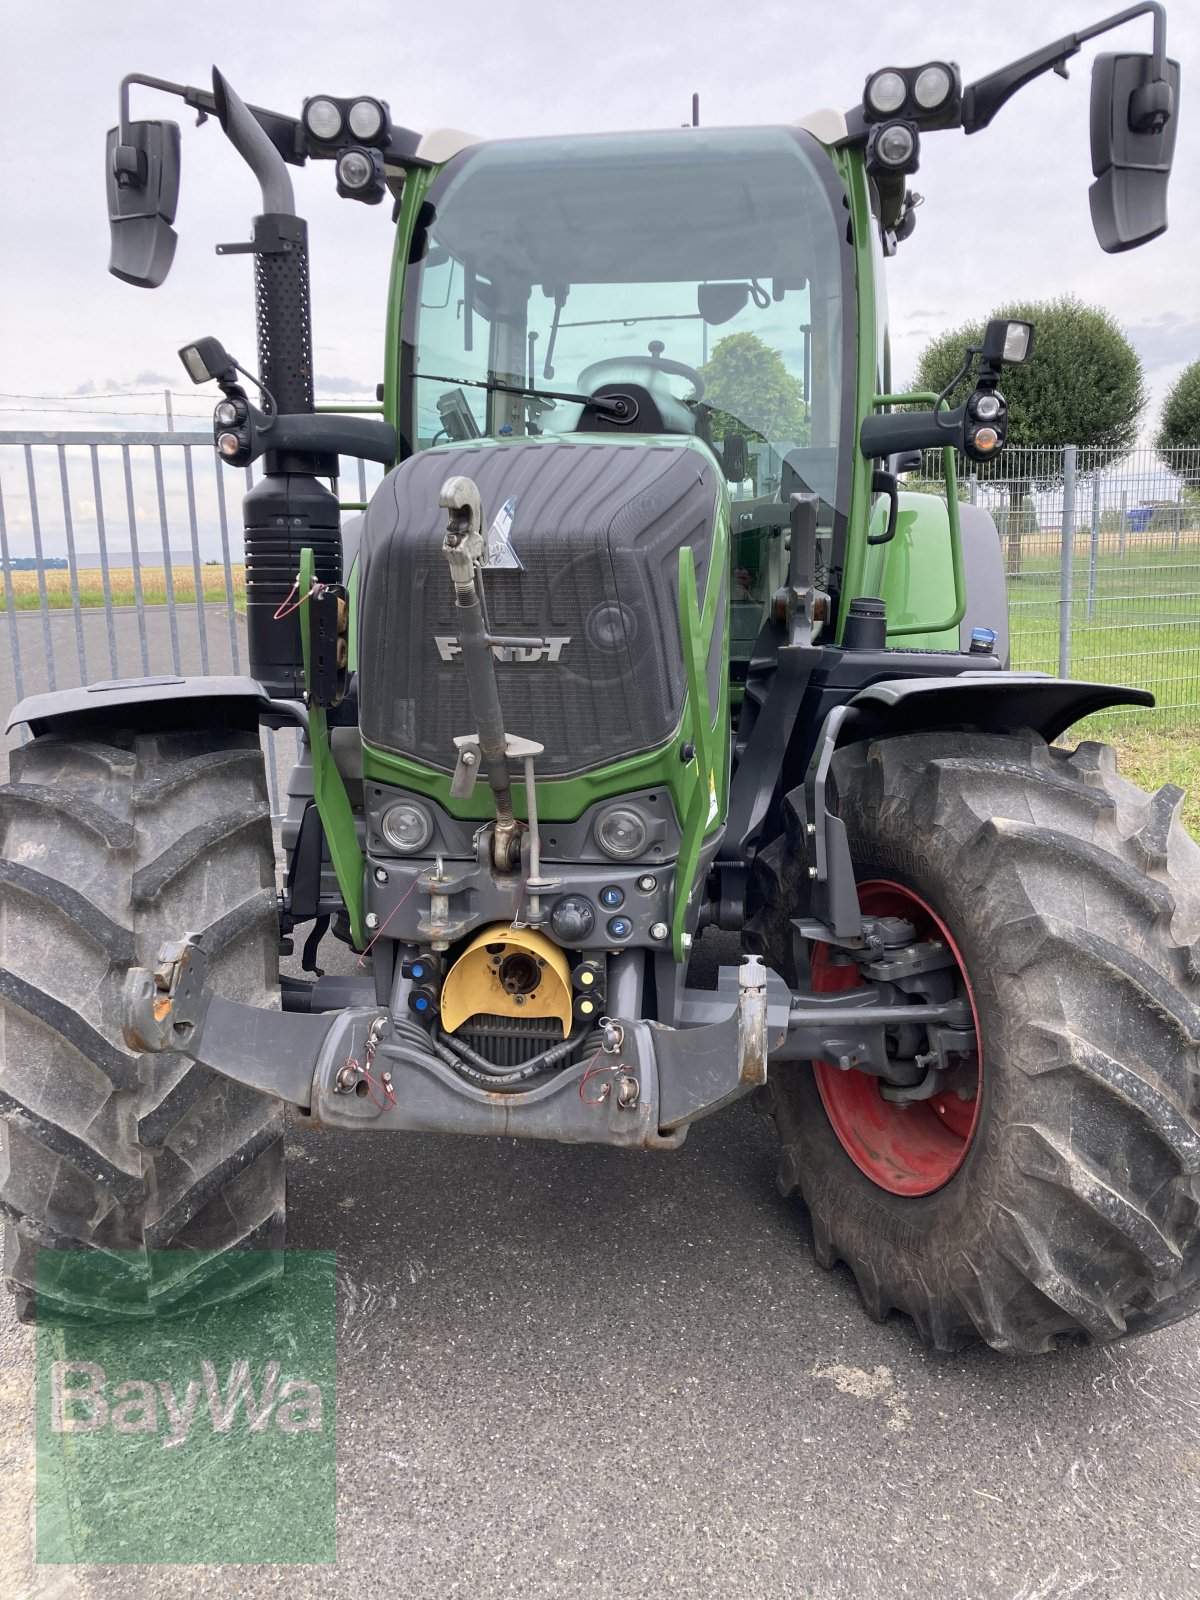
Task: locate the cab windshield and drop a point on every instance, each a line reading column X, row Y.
column 709, row 266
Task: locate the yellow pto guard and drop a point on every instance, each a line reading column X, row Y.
column 506, row 973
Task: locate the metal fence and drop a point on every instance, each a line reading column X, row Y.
column 1102, row 555
column 122, row 556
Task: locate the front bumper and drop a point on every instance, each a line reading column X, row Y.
column 354, row 1069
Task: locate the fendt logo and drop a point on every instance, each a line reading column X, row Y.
column 545, row 650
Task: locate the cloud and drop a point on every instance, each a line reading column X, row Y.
column 328, row 385
column 1167, row 342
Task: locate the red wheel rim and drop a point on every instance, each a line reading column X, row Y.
column 906, row 1149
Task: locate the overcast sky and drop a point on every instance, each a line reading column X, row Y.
column 1006, row 213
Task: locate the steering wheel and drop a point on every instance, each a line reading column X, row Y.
column 614, row 369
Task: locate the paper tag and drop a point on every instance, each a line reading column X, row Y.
column 499, row 551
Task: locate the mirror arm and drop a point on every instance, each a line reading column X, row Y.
column 326, row 434
column 982, row 99
column 896, row 431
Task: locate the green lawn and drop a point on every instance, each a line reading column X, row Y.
column 1151, row 757
column 1144, row 628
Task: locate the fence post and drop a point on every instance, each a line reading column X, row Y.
column 1124, row 523
column 1094, row 545
column 974, row 487
column 1068, row 551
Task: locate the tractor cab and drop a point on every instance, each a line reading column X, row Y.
column 691, row 284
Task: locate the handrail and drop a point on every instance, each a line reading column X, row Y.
column 950, row 474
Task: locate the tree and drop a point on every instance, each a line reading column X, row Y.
column 1083, row 385
column 1178, row 437
column 751, row 391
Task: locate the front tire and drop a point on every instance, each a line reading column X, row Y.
column 1074, row 901
column 152, row 1164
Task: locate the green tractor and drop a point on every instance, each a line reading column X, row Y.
column 658, row 747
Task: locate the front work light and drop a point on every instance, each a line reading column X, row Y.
column 930, row 95
column 207, row 359
column 322, row 119
column 886, row 92
column 366, row 120
column 933, row 86
column 1006, row 343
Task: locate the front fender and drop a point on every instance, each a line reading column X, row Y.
column 154, row 701
column 997, row 702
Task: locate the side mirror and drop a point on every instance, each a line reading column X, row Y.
column 1133, row 125
column 142, row 180
column 734, row 459
column 718, row 302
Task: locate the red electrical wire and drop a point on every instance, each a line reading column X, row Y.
column 380, row 930
column 286, row 610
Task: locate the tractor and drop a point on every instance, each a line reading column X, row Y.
column 658, row 746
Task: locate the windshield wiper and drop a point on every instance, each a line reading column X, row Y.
column 611, row 403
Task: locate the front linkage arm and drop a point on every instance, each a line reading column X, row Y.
column 174, row 1008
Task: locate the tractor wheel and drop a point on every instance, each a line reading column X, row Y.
column 1053, row 1192
column 110, row 849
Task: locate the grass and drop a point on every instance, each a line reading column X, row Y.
column 1151, row 757
column 1144, row 627
column 27, row 596
column 1145, row 630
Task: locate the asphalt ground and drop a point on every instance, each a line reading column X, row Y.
column 584, row 1372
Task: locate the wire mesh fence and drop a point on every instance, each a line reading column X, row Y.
column 1102, row 557
column 121, row 556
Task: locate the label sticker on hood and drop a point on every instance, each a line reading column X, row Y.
column 499, row 551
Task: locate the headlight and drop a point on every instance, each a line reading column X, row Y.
column 406, row 826
column 355, row 169
column 621, row 833
column 323, row 119
column 932, row 87
column 886, row 92
column 226, row 414
column 366, row 119
column 894, row 145
column 986, row 407
column 360, row 175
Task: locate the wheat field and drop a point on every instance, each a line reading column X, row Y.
column 27, row 595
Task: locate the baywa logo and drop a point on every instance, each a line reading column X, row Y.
column 82, row 1401
column 544, row 650
column 204, row 1432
